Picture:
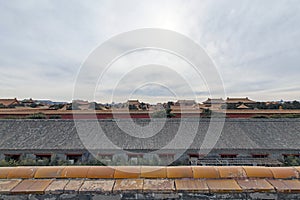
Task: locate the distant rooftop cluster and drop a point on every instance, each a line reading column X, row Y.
column 212, row 103
column 234, row 107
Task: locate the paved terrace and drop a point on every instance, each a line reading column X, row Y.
column 144, row 182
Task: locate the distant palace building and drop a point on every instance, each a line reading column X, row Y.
column 218, row 104
column 9, row 102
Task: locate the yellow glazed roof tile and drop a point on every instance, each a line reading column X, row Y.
column 127, row 172
column 205, row 172
column 258, row 172
column 49, row 172
column 75, row 172
column 100, row 172
column 231, row 172
column 284, row 172
column 4, row 171
column 153, row 172
column 22, row 172
column 180, row 172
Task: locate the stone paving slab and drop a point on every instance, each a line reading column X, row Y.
column 191, row 185
column 32, row 186
column 255, row 185
column 97, row 186
column 159, row 185
column 128, row 185
column 56, row 187
column 293, row 185
column 73, row 186
column 7, row 185
column 223, row 185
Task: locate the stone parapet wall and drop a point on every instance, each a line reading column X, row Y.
column 144, row 182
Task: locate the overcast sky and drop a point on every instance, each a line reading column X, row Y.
column 255, row 45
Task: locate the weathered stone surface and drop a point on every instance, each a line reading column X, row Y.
column 293, row 185
column 286, row 186
column 29, row 186
column 154, row 185
column 146, row 196
column 190, row 185
column 223, row 185
column 73, row 186
column 97, row 186
column 130, row 185
column 7, row 185
column 255, row 185
column 56, row 187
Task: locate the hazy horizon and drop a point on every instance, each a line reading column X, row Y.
column 254, row 45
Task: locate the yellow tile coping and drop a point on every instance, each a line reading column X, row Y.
column 180, row 172
column 205, row 172
column 172, row 172
column 258, row 172
column 284, row 172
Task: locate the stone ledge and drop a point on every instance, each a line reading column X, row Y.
column 128, row 181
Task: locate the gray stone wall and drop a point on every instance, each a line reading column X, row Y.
column 122, row 158
column 179, row 196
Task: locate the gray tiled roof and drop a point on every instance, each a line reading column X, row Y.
column 236, row 134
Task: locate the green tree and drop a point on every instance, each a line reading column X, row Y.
column 37, row 116
column 291, row 161
column 159, row 114
column 206, row 113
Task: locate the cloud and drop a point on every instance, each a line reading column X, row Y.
column 255, row 44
